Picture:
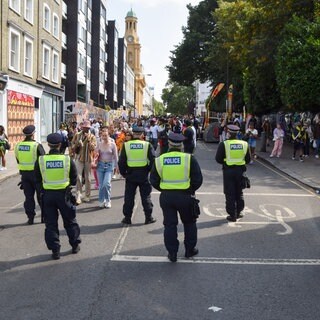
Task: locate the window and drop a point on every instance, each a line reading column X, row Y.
column 14, row 50
column 46, row 17
column 55, row 67
column 46, row 62
column 15, row 5
column 101, row 77
column 55, row 30
column 28, row 53
column 28, row 10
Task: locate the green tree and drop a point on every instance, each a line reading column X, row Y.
column 298, row 65
column 188, row 59
column 158, row 107
column 176, row 98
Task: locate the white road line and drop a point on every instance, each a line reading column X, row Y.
column 255, row 194
column 117, row 248
column 208, row 260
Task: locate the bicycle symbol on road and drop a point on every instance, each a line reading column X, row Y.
column 274, row 213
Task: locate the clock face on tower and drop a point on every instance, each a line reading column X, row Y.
column 130, row 39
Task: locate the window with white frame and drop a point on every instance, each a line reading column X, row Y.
column 14, row 50
column 46, row 62
column 28, row 54
column 46, row 17
column 55, row 29
column 55, row 67
column 15, row 5
column 28, row 10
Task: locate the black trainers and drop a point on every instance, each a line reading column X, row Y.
column 191, row 253
column 172, row 257
column 239, row 215
column 150, row 220
column 55, row 254
column 75, row 248
column 232, row 219
column 30, row 220
column 126, row 220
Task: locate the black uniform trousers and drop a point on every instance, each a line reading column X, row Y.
column 54, row 201
column 145, row 189
column 232, row 177
column 29, row 189
column 172, row 202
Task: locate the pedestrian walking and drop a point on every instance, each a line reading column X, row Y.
column 233, row 154
column 83, row 146
column 4, row 146
column 177, row 175
column 65, row 141
column 56, row 173
column 106, row 158
column 135, row 162
column 278, row 135
column 188, row 133
column 252, row 135
column 26, row 153
column 298, row 137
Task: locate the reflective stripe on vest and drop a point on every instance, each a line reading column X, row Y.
column 236, row 151
column 55, row 169
column 174, row 170
column 137, row 153
column 26, row 153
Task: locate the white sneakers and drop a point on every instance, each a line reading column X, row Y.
column 105, row 204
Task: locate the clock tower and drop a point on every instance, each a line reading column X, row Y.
column 133, row 58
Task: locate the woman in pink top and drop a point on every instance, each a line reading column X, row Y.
column 278, row 135
column 107, row 158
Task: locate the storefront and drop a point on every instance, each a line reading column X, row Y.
column 22, row 106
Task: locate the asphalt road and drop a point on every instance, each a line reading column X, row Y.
column 266, row 266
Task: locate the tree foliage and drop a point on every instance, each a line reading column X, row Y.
column 298, row 65
column 176, row 98
column 241, row 46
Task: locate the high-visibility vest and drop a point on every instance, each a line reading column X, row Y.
column 26, row 153
column 137, row 153
column 236, row 151
column 174, row 170
column 55, row 169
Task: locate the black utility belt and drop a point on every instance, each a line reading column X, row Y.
column 52, row 190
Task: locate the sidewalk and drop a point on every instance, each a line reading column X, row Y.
column 11, row 165
column 306, row 172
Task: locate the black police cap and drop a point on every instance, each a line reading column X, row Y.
column 137, row 129
column 54, row 138
column 29, row 130
column 176, row 137
column 233, row 128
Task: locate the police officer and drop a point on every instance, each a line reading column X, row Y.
column 26, row 153
column 177, row 176
column 135, row 162
column 56, row 173
column 233, row 154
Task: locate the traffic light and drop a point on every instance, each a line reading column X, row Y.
column 3, row 81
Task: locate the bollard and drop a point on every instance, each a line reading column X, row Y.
column 263, row 146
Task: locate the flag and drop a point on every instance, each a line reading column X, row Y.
column 217, row 89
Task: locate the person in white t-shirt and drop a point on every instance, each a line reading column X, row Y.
column 154, row 128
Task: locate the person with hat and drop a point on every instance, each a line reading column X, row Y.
column 56, row 173
column 135, row 162
column 26, row 153
column 83, row 146
column 177, row 175
column 233, row 154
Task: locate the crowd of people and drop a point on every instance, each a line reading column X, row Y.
column 146, row 152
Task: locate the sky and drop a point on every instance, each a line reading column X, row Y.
column 160, row 25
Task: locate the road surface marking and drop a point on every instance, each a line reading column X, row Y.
column 255, row 194
column 209, row 260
